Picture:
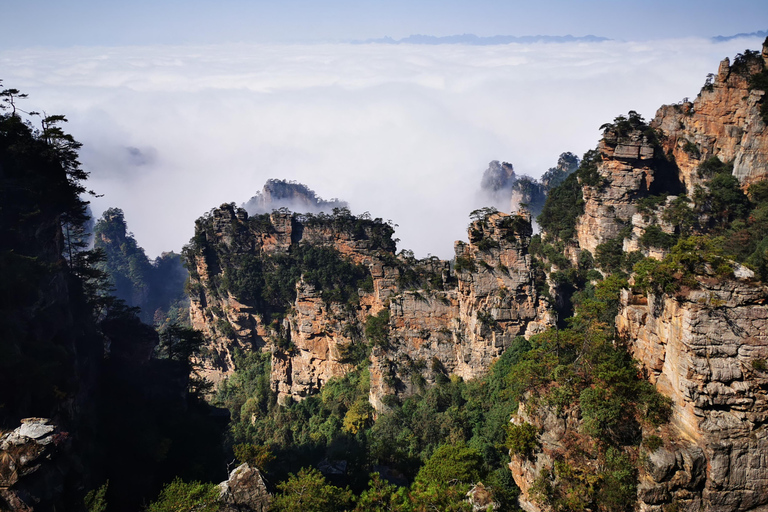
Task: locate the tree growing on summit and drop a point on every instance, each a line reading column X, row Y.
column 9, row 97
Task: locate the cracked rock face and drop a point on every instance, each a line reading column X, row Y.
column 457, row 327
column 244, row 491
column 723, row 121
column 29, row 474
column 707, row 350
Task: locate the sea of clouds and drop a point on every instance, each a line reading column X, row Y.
column 402, row 131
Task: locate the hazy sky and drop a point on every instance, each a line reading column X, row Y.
column 119, row 22
column 176, row 118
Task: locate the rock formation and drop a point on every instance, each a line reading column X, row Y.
column 30, row 473
column 433, row 320
column 723, row 121
column 294, row 196
column 706, row 349
column 502, row 188
column 244, row 491
column 703, row 345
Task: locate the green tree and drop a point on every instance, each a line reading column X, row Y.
column 451, row 463
column 179, row 496
column 308, row 491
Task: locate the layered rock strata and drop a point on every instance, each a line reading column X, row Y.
column 723, row 121
column 707, row 350
column 457, row 324
column 706, row 347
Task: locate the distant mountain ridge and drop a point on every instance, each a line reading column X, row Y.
column 472, row 39
column 759, row 33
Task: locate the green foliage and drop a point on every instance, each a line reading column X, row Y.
column 709, row 83
column 254, row 455
column 308, row 491
column 609, row 255
column 382, row 496
column 269, row 281
column 43, row 220
column 723, row 201
column 689, row 257
column 486, row 244
column 647, row 204
column 653, row 442
column 446, row 498
column 744, row 63
column 713, row 166
column 573, row 487
column 618, row 489
column 377, row 328
column 692, row 149
column 521, row 439
column 482, row 214
column 759, row 365
column 359, row 416
column 623, row 126
column 152, row 287
column 179, row 496
column 680, row 214
column 551, row 254
column 376, row 232
column 96, row 500
column 567, row 163
column 180, row 344
column 563, row 206
column 451, row 463
column 464, row 264
column 655, row 237
column 415, row 274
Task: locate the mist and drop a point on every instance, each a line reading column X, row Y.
column 402, row 131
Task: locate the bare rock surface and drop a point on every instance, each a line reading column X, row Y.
column 29, row 474
column 244, row 491
column 703, row 349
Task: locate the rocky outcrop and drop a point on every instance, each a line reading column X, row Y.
column 707, row 350
column 723, row 121
column 628, row 165
column 704, row 347
column 481, row 499
column 634, row 160
column 438, row 321
column 462, row 330
column 294, row 196
column 502, row 188
column 244, row 491
column 31, row 477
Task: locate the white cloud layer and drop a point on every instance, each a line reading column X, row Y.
column 404, row 132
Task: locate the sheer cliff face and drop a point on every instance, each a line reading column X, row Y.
column 706, row 350
column 628, row 170
column 434, row 321
column 705, row 346
column 723, row 121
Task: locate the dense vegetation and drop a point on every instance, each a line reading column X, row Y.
column 720, row 225
column 72, row 352
column 133, row 398
column 157, row 288
column 268, row 280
